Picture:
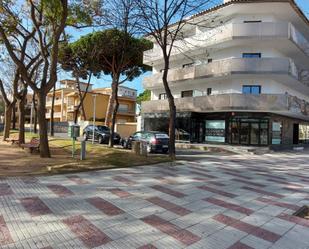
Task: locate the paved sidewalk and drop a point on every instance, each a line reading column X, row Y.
column 223, row 202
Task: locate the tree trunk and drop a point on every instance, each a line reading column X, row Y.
column 52, row 112
column 44, row 147
column 7, row 121
column 14, row 117
column 114, row 114
column 172, row 108
column 110, row 107
column 21, row 119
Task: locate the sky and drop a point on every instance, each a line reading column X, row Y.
column 105, row 81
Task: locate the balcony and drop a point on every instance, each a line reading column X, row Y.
column 274, row 103
column 227, row 67
column 71, row 108
column 56, row 115
column 56, row 103
column 233, row 34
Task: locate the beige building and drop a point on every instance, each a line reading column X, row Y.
column 67, row 99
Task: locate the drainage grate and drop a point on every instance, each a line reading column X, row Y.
column 303, row 212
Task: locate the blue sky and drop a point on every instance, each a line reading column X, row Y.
column 104, row 81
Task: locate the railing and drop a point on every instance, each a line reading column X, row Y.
column 233, row 31
column 57, row 102
column 56, row 115
column 226, row 67
column 279, row 103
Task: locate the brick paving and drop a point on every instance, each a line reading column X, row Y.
column 222, row 202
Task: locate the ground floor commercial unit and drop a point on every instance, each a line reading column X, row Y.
column 258, row 120
column 239, row 128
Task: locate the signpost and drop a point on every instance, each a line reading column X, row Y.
column 73, row 132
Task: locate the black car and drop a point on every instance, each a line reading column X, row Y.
column 156, row 141
column 101, row 134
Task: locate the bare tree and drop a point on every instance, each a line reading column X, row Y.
column 47, row 23
column 158, row 21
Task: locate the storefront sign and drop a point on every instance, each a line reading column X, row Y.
column 215, row 131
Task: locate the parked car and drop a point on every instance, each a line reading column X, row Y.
column 101, row 134
column 156, row 141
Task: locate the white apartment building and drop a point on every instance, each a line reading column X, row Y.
column 239, row 76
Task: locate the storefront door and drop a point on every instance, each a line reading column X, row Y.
column 249, row 131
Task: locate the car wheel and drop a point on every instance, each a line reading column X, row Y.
column 165, row 151
column 101, row 140
column 85, row 136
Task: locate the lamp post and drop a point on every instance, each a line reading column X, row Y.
column 31, row 116
column 94, row 114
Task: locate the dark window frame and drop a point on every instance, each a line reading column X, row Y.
column 209, row 91
column 183, row 93
column 162, row 96
column 253, row 21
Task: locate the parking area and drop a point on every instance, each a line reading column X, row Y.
column 213, row 202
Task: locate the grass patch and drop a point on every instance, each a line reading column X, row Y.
column 15, row 161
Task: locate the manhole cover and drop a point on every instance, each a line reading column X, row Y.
column 303, row 212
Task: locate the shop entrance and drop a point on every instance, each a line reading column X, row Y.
column 249, row 131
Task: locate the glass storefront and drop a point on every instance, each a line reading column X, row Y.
column 215, row 131
column 276, row 133
column 304, row 134
column 246, row 131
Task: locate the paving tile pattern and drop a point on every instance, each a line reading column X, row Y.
column 222, row 202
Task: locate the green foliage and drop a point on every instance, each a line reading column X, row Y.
column 103, row 52
column 79, row 16
column 144, row 96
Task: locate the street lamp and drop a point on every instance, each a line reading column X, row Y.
column 94, row 114
column 31, row 116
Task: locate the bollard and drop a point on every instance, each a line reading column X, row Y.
column 83, row 150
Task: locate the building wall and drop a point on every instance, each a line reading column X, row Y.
column 269, row 86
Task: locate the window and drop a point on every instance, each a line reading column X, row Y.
column 185, row 94
column 209, row 90
column 251, row 55
column 251, row 90
column 253, row 21
column 162, row 96
column 123, row 108
column 209, row 60
column 188, row 65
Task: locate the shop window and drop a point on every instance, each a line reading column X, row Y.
column 215, row 131
column 162, row 96
column 304, row 134
column 247, row 89
column 185, row 94
column 276, row 133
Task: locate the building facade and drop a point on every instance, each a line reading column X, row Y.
column 67, row 99
column 240, row 75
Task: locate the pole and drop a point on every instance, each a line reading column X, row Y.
column 31, row 116
column 94, row 114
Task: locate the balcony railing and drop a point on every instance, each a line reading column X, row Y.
column 56, row 115
column 57, row 102
column 233, row 31
column 226, row 67
column 277, row 103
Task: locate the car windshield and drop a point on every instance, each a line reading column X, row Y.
column 103, row 128
column 162, row 135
